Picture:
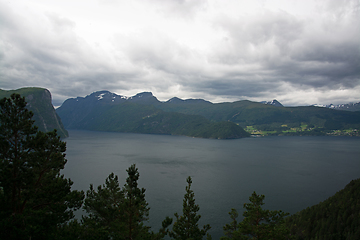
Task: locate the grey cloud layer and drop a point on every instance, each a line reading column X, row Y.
column 266, row 55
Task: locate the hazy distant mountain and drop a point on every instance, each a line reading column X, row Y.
column 347, row 107
column 106, row 111
column 274, row 102
column 39, row 102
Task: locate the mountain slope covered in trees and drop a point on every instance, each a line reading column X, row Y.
column 39, row 102
column 104, row 111
column 336, row 218
column 254, row 117
column 281, row 120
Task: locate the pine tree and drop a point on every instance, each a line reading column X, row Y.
column 34, row 198
column 258, row 223
column 135, row 205
column 186, row 226
column 231, row 230
column 119, row 213
column 105, row 209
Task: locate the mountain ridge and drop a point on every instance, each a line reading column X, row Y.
column 257, row 118
column 149, row 95
column 346, row 107
column 105, row 111
column 39, row 102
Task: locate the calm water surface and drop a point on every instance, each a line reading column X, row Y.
column 292, row 172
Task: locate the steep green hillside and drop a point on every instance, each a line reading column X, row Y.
column 39, row 102
column 336, row 218
column 102, row 113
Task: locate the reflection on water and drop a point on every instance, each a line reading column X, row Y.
column 292, row 172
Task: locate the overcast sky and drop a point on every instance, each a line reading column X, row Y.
column 299, row 52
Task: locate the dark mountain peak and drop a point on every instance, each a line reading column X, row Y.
column 274, row 102
column 101, row 97
column 143, row 95
column 144, row 98
column 98, row 97
column 105, row 95
column 176, row 100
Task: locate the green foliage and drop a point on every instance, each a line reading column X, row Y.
column 135, row 206
column 34, row 198
column 119, row 213
column 258, row 223
column 104, row 207
column 186, row 226
column 231, row 229
column 338, row 217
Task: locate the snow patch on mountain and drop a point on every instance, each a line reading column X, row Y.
column 101, row 96
column 346, row 107
column 274, row 102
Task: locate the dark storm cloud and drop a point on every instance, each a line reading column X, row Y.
column 284, row 45
column 259, row 55
column 240, row 88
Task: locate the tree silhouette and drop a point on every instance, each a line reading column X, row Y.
column 34, row 198
column 186, row 226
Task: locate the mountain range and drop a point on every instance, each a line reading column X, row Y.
column 144, row 113
column 346, row 107
column 106, row 111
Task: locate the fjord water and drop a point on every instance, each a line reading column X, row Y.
column 292, row 172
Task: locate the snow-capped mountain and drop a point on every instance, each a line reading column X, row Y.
column 274, row 102
column 106, row 97
column 347, row 107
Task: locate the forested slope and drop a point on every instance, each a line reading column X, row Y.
column 336, row 218
column 253, row 113
column 104, row 111
column 255, row 117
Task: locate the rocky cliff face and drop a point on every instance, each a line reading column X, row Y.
column 39, row 102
